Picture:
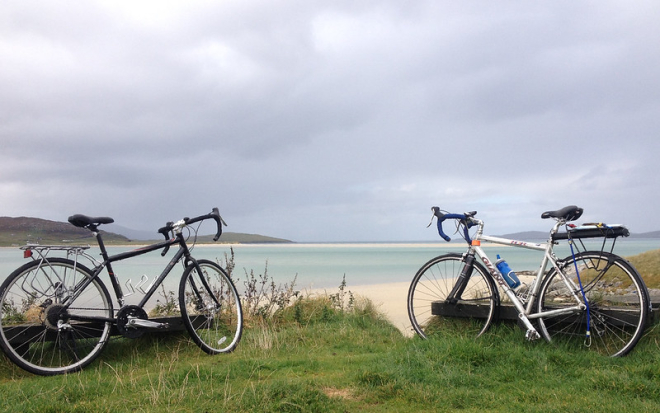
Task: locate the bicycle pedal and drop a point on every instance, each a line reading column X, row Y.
column 532, row 335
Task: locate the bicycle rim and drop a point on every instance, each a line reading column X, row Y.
column 36, row 333
column 429, row 311
column 617, row 298
column 211, row 308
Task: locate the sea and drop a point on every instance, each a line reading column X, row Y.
column 320, row 265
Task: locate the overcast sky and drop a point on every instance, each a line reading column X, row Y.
column 331, row 120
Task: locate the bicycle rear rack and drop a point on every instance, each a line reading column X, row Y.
column 42, row 251
column 600, row 230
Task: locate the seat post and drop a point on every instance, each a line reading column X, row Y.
column 99, row 240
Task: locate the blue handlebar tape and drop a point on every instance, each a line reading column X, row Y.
column 444, row 217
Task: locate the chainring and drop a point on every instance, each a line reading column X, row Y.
column 124, row 315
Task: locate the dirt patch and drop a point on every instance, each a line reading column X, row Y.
column 345, row 394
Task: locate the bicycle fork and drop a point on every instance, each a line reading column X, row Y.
column 461, row 283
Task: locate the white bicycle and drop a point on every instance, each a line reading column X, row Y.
column 593, row 299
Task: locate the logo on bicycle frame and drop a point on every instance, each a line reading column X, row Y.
column 493, row 271
column 525, row 244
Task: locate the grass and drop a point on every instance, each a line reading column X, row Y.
column 321, row 355
column 648, row 265
column 321, row 358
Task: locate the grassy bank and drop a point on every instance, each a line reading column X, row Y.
column 320, row 358
column 338, row 354
column 648, row 265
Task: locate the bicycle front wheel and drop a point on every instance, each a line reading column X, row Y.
column 38, row 331
column 617, row 299
column 210, row 307
column 429, row 310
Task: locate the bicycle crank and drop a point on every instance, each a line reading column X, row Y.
column 139, row 322
column 133, row 322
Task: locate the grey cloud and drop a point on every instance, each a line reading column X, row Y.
column 329, row 121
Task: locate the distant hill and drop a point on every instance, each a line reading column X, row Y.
column 653, row 234
column 23, row 230
column 239, row 238
column 540, row 235
column 227, row 237
column 527, row 235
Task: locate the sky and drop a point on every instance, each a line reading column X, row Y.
column 322, row 121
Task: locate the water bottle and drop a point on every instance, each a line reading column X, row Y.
column 509, row 276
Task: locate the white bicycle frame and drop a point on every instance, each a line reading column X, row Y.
column 525, row 313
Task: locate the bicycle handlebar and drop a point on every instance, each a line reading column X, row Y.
column 461, row 217
column 170, row 226
column 215, row 215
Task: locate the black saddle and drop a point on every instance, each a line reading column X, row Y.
column 569, row 213
column 83, row 221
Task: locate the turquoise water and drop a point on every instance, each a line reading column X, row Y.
column 324, row 265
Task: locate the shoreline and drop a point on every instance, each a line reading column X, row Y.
column 347, row 244
column 416, row 244
column 286, row 245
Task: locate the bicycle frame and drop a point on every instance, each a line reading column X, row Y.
column 183, row 251
column 174, row 228
column 526, row 312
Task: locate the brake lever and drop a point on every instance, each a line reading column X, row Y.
column 165, row 231
column 215, row 214
column 430, row 223
column 441, row 217
column 436, row 213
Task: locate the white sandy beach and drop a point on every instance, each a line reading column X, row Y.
column 390, row 299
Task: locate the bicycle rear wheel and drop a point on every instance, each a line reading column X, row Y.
column 210, row 307
column 428, row 309
column 617, row 297
column 37, row 332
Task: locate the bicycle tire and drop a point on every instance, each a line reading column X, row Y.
column 215, row 329
column 30, row 311
column 429, row 289
column 618, row 304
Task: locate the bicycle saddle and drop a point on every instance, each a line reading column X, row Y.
column 569, row 213
column 82, row 221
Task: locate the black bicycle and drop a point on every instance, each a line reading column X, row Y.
column 56, row 315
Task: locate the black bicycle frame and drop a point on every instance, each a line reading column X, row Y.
column 108, row 260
